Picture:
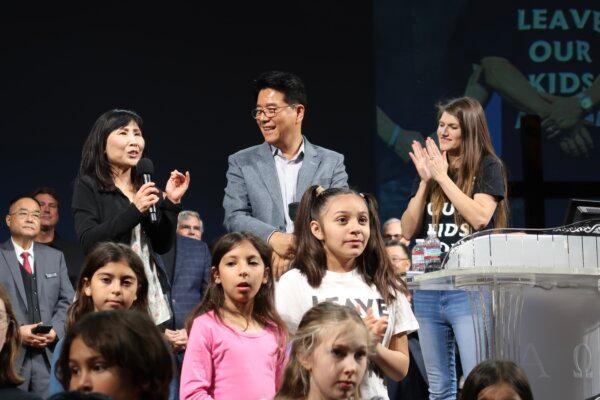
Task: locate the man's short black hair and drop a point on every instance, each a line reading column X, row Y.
column 287, row 83
column 47, row 190
column 22, row 196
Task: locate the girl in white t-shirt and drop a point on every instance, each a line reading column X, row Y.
column 341, row 258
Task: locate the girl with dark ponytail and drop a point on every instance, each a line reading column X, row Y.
column 341, row 257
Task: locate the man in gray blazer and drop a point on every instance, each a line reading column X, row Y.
column 263, row 180
column 36, row 279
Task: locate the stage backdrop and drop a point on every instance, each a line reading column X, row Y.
column 510, row 55
column 187, row 69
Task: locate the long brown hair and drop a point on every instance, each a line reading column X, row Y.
column 373, row 264
column 263, row 309
column 476, row 144
column 101, row 255
column 296, row 378
column 10, row 350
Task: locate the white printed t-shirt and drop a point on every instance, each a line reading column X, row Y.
column 294, row 296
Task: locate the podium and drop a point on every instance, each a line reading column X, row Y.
column 535, row 300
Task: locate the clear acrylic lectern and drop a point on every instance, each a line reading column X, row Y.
column 536, row 297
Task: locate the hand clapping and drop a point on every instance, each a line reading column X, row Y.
column 377, row 326
column 419, row 157
column 429, row 162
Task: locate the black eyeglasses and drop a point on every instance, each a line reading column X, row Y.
column 269, row 112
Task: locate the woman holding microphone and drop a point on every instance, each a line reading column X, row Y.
column 110, row 202
column 461, row 189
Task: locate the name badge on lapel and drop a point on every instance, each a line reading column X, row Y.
column 54, row 275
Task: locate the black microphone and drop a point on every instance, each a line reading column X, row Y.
column 145, row 168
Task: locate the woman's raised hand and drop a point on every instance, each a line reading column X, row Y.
column 419, row 157
column 437, row 163
column 177, row 185
column 146, row 196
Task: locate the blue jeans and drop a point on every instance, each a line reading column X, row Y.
column 445, row 316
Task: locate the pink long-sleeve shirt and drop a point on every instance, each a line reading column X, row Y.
column 223, row 363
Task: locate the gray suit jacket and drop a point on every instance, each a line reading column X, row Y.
column 253, row 201
column 55, row 292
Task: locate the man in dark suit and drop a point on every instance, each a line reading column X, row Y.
column 264, row 180
column 49, row 204
column 187, row 266
column 36, row 279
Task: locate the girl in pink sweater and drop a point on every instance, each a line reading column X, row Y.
column 236, row 346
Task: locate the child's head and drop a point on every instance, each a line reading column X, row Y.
column 112, row 277
column 329, row 354
column 496, row 380
column 399, row 256
column 240, row 274
column 341, row 224
column 118, row 353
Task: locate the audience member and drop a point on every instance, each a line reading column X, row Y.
column 237, row 341
column 414, row 386
column 392, row 230
column 10, row 342
column 110, row 203
column 329, row 355
column 112, row 278
column 189, row 224
column 36, row 279
column 399, row 256
column 496, row 380
column 187, row 266
column 49, row 204
column 286, row 164
column 119, row 353
column 341, row 257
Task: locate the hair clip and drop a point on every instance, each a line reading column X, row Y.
column 320, row 189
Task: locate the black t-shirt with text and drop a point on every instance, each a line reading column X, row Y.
column 489, row 180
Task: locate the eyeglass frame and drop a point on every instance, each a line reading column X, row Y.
column 22, row 214
column 259, row 111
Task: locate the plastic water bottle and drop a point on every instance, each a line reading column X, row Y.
column 418, row 256
column 433, row 251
